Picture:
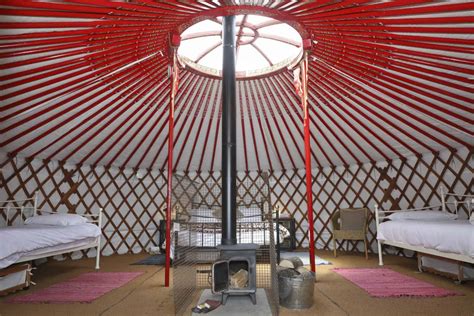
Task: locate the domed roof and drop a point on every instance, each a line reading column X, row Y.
column 87, row 82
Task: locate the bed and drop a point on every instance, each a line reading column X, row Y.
column 23, row 242
column 209, row 234
column 437, row 231
column 200, row 229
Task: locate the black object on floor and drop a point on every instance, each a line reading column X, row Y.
column 206, row 307
column 152, row 260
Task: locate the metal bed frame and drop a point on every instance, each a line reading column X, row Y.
column 23, row 208
column 199, row 226
column 381, row 216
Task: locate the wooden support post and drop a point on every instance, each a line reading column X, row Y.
column 174, row 88
column 307, row 147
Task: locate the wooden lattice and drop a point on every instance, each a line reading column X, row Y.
column 134, row 200
column 193, row 190
column 412, row 182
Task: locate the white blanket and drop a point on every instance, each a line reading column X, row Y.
column 17, row 241
column 453, row 236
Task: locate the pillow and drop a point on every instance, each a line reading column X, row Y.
column 217, row 213
column 57, row 220
column 471, row 219
column 249, row 215
column 202, row 215
column 422, row 215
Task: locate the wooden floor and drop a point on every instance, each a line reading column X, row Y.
column 333, row 295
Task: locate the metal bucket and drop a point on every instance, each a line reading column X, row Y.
column 296, row 291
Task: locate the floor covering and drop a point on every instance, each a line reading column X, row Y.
column 333, row 294
column 384, row 282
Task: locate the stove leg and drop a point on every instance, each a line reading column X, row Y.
column 224, row 298
column 253, row 297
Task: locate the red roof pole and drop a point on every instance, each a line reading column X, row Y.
column 175, row 41
column 307, row 149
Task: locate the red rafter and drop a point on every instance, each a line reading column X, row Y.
column 394, row 76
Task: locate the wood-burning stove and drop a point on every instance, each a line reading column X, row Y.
column 235, row 273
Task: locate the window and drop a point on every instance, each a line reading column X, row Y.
column 263, row 45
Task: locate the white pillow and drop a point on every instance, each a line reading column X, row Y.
column 471, row 219
column 422, row 215
column 249, row 215
column 202, row 215
column 56, row 220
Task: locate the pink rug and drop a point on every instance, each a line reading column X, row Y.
column 82, row 289
column 383, row 282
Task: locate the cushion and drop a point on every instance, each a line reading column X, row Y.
column 249, row 215
column 422, row 215
column 202, row 215
column 56, row 220
column 353, row 219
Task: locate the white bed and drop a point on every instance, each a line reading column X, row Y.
column 212, row 239
column 196, row 236
column 454, row 237
column 450, row 239
column 21, row 243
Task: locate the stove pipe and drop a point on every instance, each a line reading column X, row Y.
column 229, row 174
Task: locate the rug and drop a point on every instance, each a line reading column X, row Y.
column 304, row 256
column 384, row 282
column 158, row 259
column 84, row 288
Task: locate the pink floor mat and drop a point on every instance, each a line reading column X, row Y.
column 82, row 289
column 383, row 282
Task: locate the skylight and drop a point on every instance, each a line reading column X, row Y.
column 263, row 45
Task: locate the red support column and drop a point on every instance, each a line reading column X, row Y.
column 174, row 88
column 307, row 149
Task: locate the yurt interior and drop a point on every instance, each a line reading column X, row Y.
column 236, row 157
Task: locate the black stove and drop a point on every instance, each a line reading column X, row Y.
column 235, row 273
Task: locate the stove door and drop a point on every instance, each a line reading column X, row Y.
column 220, row 276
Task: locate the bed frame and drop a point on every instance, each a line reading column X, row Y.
column 381, row 216
column 182, row 221
column 29, row 207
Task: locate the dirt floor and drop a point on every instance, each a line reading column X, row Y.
column 333, row 295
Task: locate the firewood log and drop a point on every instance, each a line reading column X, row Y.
column 240, row 279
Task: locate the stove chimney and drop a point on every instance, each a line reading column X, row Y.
column 229, row 174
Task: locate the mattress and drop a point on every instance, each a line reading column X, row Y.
column 31, row 240
column 451, row 236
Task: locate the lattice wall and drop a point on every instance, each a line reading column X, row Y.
column 412, row 182
column 134, row 200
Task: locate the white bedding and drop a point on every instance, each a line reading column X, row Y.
column 199, row 239
column 18, row 241
column 452, row 236
column 204, row 239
